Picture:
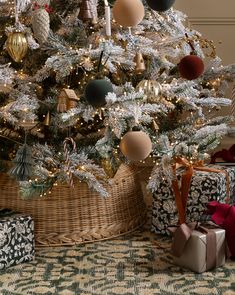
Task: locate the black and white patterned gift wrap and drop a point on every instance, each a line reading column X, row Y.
column 16, row 240
column 205, row 186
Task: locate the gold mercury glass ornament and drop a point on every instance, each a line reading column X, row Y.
column 17, row 46
column 152, row 90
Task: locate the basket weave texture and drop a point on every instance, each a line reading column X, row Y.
column 77, row 215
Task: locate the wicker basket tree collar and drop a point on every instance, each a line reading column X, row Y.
column 73, row 216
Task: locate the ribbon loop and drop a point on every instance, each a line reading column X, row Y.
column 183, row 234
column 181, row 195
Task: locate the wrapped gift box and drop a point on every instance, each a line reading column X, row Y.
column 194, row 255
column 16, row 239
column 205, row 187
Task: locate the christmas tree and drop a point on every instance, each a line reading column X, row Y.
column 98, row 83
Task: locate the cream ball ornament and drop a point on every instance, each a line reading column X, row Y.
column 136, row 145
column 128, row 13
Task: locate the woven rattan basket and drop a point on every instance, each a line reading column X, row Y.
column 73, row 216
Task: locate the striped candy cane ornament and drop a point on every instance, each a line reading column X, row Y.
column 67, row 159
column 233, row 102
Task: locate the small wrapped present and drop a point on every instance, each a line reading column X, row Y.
column 207, row 183
column 16, row 238
column 203, row 250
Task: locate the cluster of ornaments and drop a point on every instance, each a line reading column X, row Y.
column 17, row 45
column 135, row 145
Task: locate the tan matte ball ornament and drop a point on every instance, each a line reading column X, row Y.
column 128, row 13
column 136, row 145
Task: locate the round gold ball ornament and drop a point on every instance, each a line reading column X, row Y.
column 17, row 45
column 152, row 89
column 136, row 145
column 128, row 13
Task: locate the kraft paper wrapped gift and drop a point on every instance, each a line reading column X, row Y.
column 195, row 254
column 205, row 187
column 16, row 238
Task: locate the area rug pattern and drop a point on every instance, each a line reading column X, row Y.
column 137, row 264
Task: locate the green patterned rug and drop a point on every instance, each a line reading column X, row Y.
column 138, row 264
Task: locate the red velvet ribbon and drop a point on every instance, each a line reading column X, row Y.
column 224, row 216
column 227, row 155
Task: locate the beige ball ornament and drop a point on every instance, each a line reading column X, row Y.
column 128, row 13
column 136, row 145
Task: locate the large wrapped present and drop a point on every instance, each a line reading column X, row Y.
column 16, row 238
column 205, row 186
column 203, row 251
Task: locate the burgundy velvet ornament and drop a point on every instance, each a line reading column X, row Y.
column 191, row 67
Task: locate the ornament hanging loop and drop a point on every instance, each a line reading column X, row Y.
column 16, row 14
column 190, row 44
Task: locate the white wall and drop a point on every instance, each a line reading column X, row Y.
column 215, row 19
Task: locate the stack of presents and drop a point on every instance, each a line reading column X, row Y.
column 196, row 208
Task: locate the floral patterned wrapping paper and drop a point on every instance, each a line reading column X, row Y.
column 205, row 187
column 16, row 240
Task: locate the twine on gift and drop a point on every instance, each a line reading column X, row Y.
column 67, row 141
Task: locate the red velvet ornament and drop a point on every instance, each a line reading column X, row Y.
column 191, row 67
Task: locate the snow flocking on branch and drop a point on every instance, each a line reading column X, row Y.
column 218, row 130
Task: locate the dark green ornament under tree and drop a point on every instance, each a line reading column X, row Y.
column 96, row 90
column 160, row 5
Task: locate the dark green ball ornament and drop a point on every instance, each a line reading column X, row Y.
column 96, row 90
column 160, row 5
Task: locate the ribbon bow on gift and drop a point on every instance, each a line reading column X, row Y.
column 181, row 196
column 184, row 232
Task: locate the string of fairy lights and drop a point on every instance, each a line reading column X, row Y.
column 90, row 75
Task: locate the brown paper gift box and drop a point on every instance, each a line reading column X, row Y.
column 194, row 255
